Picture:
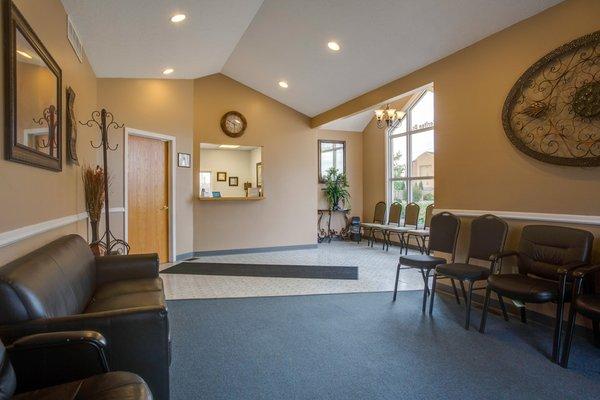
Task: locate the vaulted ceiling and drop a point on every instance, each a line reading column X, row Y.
column 260, row 43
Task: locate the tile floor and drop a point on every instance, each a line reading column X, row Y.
column 376, row 273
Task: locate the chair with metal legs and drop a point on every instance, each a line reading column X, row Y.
column 443, row 237
column 378, row 220
column 587, row 305
column 488, row 235
column 546, row 257
column 411, row 218
column 422, row 235
column 393, row 222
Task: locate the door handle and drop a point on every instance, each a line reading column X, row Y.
column 165, row 208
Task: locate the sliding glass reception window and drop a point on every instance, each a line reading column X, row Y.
column 411, row 155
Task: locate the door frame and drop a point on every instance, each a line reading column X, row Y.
column 172, row 149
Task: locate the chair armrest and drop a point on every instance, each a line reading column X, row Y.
column 47, row 359
column 565, row 269
column 503, row 254
column 118, row 268
column 580, row 273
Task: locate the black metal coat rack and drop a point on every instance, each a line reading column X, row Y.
column 105, row 120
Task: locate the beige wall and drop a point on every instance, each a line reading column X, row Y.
column 31, row 195
column 373, row 140
column 354, row 173
column 287, row 215
column 161, row 106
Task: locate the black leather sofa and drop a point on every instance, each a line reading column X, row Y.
column 63, row 287
column 102, row 386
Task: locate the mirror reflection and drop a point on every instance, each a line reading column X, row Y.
column 36, row 96
column 230, row 171
column 332, row 154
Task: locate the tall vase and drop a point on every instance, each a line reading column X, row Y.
column 95, row 244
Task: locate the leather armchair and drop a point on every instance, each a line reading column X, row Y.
column 546, row 259
column 586, row 305
column 63, row 287
column 106, row 386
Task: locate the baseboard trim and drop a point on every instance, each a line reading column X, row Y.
column 592, row 220
column 13, row 236
column 184, row 256
column 253, row 250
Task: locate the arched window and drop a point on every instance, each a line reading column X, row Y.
column 411, row 155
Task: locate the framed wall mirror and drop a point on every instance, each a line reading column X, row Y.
column 332, row 154
column 33, row 96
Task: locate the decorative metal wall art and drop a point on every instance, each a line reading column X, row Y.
column 552, row 113
column 71, row 128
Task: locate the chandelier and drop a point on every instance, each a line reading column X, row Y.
column 388, row 117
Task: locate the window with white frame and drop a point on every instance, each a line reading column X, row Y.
column 411, row 155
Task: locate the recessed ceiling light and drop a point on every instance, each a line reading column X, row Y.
column 334, row 46
column 283, row 84
column 24, row 54
column 168, row 71
column 178, row 18
column 229, row 146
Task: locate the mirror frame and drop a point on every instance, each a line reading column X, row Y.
column 320, row 177
column 14, row 151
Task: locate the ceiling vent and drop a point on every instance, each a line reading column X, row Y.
column 74, row 39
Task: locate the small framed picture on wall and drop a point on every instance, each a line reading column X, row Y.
column 233, row 181
column 221, row 176
column 184, row 160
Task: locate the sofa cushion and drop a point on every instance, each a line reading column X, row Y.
column 125, row 301
column 53, row 281
column 128, row 286
column 112, row 385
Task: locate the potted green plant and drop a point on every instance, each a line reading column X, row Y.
column 336, row 189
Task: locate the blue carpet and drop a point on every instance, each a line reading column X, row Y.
column 362, row 346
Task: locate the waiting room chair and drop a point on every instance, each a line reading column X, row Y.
column 422, row 235
column 378, row 220
column 395, row 215
column 411, row 218
column 488, row 235
column 66, row 383
column 443, row 237
column 587, row 305
column 546, row 256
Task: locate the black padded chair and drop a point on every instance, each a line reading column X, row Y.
column 546, row 256
column 488, row 235
column 422, row 235
column 378, row 220
column 443, row 237
column 411, row 218
column 587, row 305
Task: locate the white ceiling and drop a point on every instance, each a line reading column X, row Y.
column 136, row 39
column 286, row 39
column 354, row 123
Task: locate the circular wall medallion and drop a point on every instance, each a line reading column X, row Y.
column 552, row 113
column 233, row 124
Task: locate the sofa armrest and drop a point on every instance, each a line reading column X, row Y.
column 52, row 358
column 118, row 268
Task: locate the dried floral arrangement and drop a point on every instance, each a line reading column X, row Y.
column 93, row 185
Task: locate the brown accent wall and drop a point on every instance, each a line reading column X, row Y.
column 287, row 215
column 31, row 195
column 354, row 173
column 476, row 166
column 160, row 106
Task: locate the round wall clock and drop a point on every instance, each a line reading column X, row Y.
column 233, row 124
column 553, row 111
